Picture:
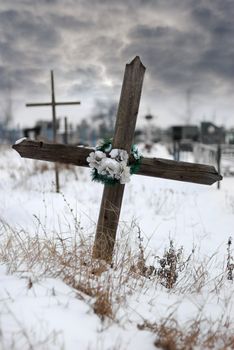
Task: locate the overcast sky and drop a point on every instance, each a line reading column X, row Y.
column 187, row 47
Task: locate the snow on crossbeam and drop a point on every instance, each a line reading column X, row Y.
column 17, row 142
column 155, row 167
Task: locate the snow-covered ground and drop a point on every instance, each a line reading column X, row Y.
column 40, row 311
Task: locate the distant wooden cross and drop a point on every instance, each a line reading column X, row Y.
column 123, row 137
column 53, row 104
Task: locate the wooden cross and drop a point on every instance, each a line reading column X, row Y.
column 123, row 137
column 53, row 104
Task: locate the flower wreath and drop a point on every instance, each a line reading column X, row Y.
column 110, row 165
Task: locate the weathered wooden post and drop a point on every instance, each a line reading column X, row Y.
column 53, row 104
column 218, row 158
column 54, row 123
column 123, row 137
column 65, row 138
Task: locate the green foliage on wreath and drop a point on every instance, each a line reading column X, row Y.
column 104, row 179
column 106, row 146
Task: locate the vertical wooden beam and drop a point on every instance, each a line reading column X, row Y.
column 54, row 129
column 65, row 131
column 123, row 137
column 53, row 107
column 218, row 156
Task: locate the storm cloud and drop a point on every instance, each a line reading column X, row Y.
column 186, row 46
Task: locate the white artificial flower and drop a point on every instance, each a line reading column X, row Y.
column 125, row 175
column 114, row 153
column 119, row 154
column 95, row 158
column 109, row 167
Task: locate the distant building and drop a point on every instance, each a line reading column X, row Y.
column 211, row 134
column 229, row 137
column 32, row 133
column 183, row 138
column 208, row 133
column 185, row 133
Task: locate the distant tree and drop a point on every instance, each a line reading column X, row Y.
column 83, row 130
column 6, row 108
column 104, row 116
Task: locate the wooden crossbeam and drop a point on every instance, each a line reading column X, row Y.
column 154, row 167
column 46, row 104
column 43, row 104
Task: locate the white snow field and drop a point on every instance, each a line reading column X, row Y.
column 53, row 296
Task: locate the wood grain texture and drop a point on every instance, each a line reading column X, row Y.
column 129, row 105
column 123, row 137
column 180, row 171
column 154, row 167
column 53, row 152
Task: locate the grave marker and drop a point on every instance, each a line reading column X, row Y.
column 123, row 137
column 53, row 104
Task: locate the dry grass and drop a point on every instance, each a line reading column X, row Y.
column 230, row 261
column 103, row 306
column 198, row 334
column 106, row 287
column 69, row 259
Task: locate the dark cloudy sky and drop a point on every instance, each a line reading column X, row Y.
column 187, row 47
